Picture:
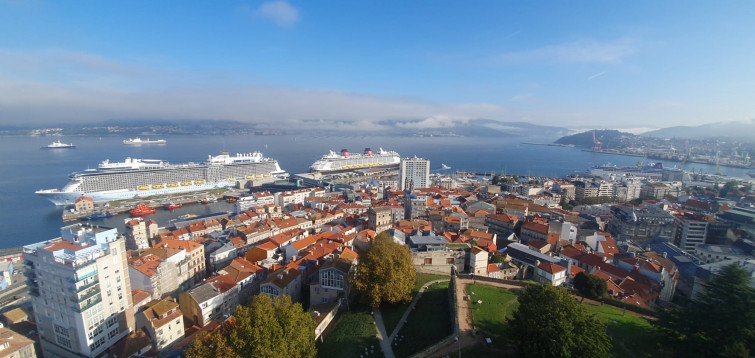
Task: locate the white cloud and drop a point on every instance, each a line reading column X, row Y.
column 439, row 121
column 521, row 97
column 596, row 76
column 56, row 86
column 583, row 51
column 281, row 12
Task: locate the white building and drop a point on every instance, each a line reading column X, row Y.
column 80, row 291
column 414, row 173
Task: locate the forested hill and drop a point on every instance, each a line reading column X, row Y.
column 607, row 138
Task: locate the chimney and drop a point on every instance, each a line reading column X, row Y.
column 665, row 254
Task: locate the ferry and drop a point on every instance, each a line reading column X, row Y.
column 133, row 177
column 139, row 141
column 59, row 145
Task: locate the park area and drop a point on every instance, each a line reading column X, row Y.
column 354, row 331
column 428, row 323
column 632, row 334
column 392, row 313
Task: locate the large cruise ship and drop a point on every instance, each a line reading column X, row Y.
column 333, row 162
column 147, row 177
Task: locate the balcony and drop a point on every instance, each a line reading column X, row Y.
column 88, row 294
column 83, row 306
column 81, row 278
column 84, row 287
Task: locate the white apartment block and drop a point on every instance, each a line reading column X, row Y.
column 414, row 173
column 80, row 291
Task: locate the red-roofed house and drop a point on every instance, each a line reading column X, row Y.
column 531, row 231
column 550, row 273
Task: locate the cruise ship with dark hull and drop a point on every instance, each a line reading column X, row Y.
column 134, row 178
column 334, row 162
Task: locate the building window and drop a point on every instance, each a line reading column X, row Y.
column 428, row 261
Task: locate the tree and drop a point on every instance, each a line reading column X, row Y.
column 719, row 322
column 274, row 328
column 731, row 186
column 590, row 286
column 385, row 273
column 551, row 323
column 496, row 179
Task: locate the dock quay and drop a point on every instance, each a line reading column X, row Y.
column 121, row 206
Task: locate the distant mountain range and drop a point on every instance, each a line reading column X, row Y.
column 441, row 127
column 473, row 128
column 713, row 130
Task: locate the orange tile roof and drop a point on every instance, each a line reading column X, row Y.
column 138, row 295
column 551, row 268
column 60, row 244
column 238, row 241
column 187, row 245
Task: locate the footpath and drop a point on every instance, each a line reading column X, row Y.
column 386, row 339
column 467, row 335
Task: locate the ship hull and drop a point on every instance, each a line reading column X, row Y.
column 66, row 198
column 342, row 170
column 61, row 198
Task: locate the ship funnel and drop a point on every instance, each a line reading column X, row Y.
column 345, row 152
column 368, row 152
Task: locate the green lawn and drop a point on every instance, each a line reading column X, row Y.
column 351, row 334
column 428, row 323
column 490, row 316
column 633, row 336
column 392, row 313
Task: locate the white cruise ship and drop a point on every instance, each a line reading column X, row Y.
column 334, row 162
column 147, row 177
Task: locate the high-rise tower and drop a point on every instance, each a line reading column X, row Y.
column 80, row 290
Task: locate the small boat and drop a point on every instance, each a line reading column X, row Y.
column 172, row 206
column 59, row 145
column 141, row 210
column 139, row 141
column 209, row 199
column 187, row 216
column 443, row 166
column 98, row 216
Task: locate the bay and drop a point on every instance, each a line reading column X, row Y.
column 24, row 167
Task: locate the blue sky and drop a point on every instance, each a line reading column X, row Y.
column 579, row 64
